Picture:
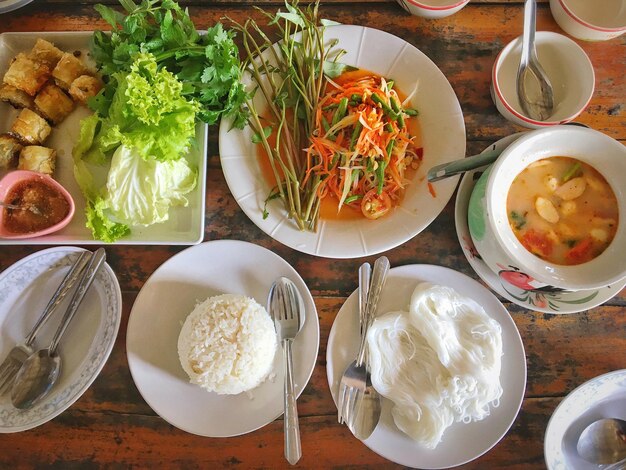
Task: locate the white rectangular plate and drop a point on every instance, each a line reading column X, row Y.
column 185, row 225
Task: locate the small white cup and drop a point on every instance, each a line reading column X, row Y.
column 590, row 20
column 489, row 225
column 568, row 67
column 432, row 8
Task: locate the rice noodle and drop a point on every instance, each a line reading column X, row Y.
column 438, row 364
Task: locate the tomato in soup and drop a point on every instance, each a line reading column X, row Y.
column 562, row 210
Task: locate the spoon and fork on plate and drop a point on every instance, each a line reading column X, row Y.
column 31, row 374
column 358, row 402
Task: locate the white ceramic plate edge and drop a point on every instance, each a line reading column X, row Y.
column 80, row 391
column 299, row 387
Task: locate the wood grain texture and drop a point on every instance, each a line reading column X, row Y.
column 111, row 426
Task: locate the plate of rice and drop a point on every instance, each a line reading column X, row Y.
column 201, row 346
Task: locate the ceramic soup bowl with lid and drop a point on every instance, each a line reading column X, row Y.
column 494, row 238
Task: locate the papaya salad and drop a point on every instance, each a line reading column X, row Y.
column 330, row 133
column 361, row 147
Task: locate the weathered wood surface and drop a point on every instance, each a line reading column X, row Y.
column 111, row 426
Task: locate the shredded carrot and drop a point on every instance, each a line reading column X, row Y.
column 431, row 190
column 361, row 141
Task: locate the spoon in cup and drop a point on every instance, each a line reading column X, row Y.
column 534, row 89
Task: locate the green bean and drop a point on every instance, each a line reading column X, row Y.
column 341, row 111
column 388, row 127
column 325, row 124
column 355, row 134
column 394, row 105
column 390, row 146
column 352, row 198
column 411, row 112
column 378, row 100
column 380, row 175
column 356, row 97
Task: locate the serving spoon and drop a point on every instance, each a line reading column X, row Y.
column 603, row 441
column 534, row 89
column 455, row 167
column 41, row 370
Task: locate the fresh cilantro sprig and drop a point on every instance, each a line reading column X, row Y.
column 207, row 64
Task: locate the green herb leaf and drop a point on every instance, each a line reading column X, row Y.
column 257, row 139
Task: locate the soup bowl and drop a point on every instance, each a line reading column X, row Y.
column 432, row 8
column 590, row 21
column 494, row 238
column 10, row 181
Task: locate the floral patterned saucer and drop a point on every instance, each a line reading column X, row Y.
column 509, row 282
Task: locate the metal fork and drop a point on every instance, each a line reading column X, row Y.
column 287, row 310
column 355, row 380
column 16, row 357
column 365, row 272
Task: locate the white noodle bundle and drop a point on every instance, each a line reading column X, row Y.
column 439, row 363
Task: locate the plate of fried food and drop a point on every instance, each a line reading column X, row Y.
column 47, row 80
column 347, row 178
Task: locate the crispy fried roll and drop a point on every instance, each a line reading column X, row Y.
column 9, row 150
column 53, row 104
column 46, row 53
column 30, row 128
column 26, row 74
column 84, row 87
column 37, row 158
column 16, row 98
column 67, row 70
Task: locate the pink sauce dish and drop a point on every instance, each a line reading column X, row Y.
column 43, row 205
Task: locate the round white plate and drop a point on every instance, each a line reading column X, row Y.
column 600, row 397
column 25, row 289
column 461, row 442
column 540, row 300
column 443, row 138
column 171, row 293
column 9, row 5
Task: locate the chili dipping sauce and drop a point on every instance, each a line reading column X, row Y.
column 41, row 206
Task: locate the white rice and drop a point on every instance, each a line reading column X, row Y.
column 227, row 344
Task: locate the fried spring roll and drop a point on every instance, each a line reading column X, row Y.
column 46, row 53
column 53, row 104
column 30, row 128
column 68, row 69
column 37, row 158
column 84, row 87
column 9, row 151
column 16, row 98
column 27, row 74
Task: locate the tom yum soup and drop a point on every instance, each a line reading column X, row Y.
column 562, row 210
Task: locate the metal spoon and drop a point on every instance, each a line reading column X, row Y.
column 41, row 370
column 603, row 441
column 455, row 167
column 34, row 209
column 534, row 89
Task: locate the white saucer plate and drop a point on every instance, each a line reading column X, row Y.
column 25, row 289
column 443, row 139
column 461, row 442
column 540, row 300
column 171, row 293
column 601, row 397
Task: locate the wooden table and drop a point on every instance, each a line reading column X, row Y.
column 111, row 426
